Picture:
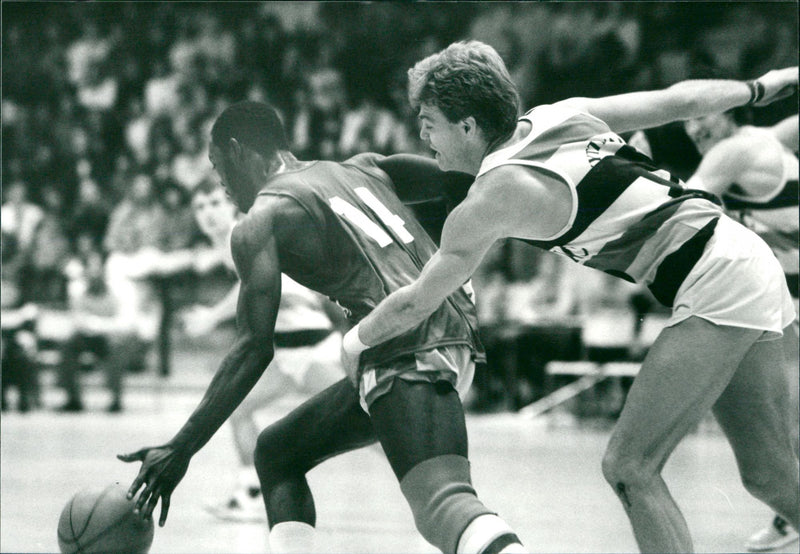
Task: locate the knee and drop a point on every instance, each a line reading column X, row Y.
column 442, row 499
column 765, row 484
column 624, row 472
column 273, row 456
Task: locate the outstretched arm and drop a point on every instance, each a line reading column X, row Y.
column 491, row 211
column 685, row 100
column 257, row 264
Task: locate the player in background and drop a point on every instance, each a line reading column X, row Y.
column 561, row 178
column 339, row 229
column 306, row 353
column 755, row 172
column 307, row 342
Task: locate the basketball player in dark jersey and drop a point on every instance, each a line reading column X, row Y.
column 339, row 229
column 562, row 179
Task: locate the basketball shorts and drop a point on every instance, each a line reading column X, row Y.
column 736, row 282
column 453, row 364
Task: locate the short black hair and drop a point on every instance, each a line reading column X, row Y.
column 254, row 124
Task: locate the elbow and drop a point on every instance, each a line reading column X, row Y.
column 261, row 350
column 414, row 307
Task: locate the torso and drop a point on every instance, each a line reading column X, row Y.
column 625, row 215
column 357, row 243
column 765, row 198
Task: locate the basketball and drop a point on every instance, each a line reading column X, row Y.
column 102, row 520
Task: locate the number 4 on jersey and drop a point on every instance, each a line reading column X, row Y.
column 370, row 228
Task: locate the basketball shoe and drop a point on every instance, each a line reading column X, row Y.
column 244, row 506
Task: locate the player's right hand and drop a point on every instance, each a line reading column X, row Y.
column 162, row 469
column 778, row 83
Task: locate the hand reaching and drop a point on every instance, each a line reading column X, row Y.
column 777, row 84
column 162, row 469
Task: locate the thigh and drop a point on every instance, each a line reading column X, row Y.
column 754, row 410
column 330, row 423
column 418, row 420
column 685, row 371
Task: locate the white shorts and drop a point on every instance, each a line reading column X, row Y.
column 310, row 366
column 736, row 282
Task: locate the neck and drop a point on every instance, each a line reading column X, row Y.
column 284, row 161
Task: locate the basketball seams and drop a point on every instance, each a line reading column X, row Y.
column 105, row 531
column 77, row 536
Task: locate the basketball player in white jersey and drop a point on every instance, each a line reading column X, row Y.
column 755, row 172
column 561, row 178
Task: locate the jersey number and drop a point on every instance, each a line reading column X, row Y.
column 373, row 230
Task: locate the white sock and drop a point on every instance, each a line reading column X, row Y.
column 292, row 537
column 481, row 532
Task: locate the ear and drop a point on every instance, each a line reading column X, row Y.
column 469, row 126
column 236, row 147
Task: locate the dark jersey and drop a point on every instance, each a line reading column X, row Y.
column 367, row 245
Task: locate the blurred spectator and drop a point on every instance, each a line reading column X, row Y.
column 43, row 275
column 99, row 332
column 369, row 128
column 137, row 130
column 136, row 223
column 91, row 212
column 19, row 217
column 318, row 126
column 191, row 165
column 180, row 229
column 161, row 90
column 90, row 47
column 98, row 90
column 18, row 367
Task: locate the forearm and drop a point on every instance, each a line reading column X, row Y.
column 680, row 102
column 397, row 313
column 239, row 372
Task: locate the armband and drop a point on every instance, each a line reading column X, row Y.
column 351, row 343
column 757, row 91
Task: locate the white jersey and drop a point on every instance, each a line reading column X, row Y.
column 629, row 218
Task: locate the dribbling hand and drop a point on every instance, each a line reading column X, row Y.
column 162, row 469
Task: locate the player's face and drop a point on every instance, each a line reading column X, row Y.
column 213, row 212
column 707, row 131
column 234, row 180
column 448, row 140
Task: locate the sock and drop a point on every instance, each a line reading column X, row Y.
column 488, row 534
column 292, row 537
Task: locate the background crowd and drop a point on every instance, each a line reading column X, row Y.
column 106, row 113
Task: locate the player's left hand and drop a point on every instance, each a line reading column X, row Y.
column 778, row 83
column 162, row 469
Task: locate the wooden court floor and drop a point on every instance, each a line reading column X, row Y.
column 543, row 476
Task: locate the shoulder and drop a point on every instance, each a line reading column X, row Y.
column 746, row 145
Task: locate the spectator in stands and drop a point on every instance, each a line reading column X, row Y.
column 136, row 223
column 17, row 340
column 99, row 329
column 190, row 166
column 49, row 250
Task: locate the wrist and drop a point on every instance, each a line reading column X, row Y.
column 352, row 343
column 756, row 91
